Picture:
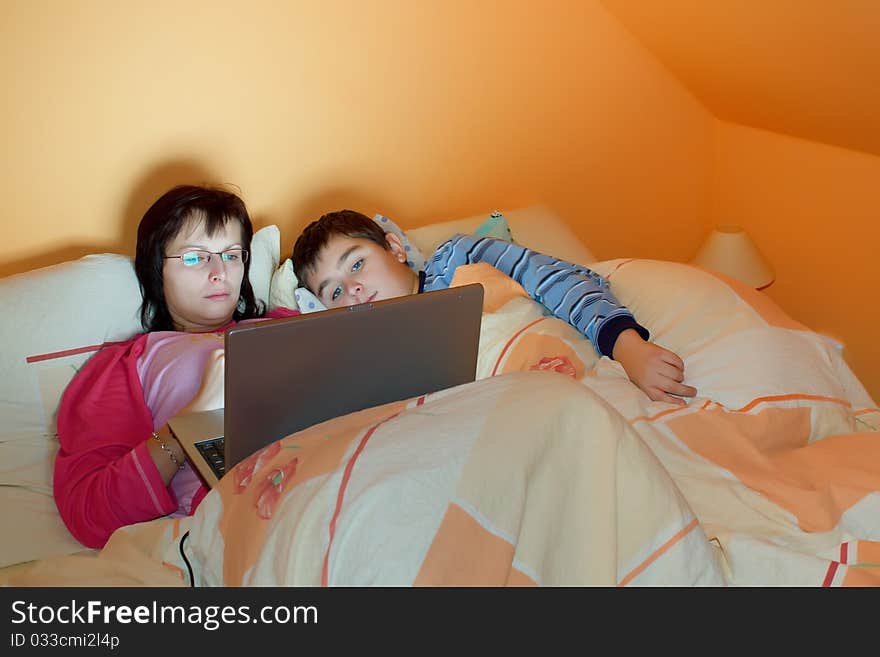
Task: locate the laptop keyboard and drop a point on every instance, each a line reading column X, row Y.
column 212, row 451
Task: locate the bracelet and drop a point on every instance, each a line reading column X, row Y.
column 168, row 451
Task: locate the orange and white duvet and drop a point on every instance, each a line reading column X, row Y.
column 523, row 479
column 778, row 455
column 554, row 469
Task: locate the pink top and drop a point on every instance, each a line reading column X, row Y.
column 104, row 476
column 170, row 370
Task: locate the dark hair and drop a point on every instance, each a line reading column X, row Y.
column 316, row 235
column 161, row 224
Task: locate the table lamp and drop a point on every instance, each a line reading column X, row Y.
column 729, row 250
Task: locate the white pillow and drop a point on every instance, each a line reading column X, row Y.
column 284, row 292
column 282, row 286
column 54, row 319
column 536, row 227
column 265, row 254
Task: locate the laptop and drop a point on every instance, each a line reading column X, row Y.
column 284, row 375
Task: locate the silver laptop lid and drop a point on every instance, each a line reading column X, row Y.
column 288, row 374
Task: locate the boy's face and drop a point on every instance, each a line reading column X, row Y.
column 352, row 270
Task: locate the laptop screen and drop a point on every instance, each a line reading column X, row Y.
column 288, row 374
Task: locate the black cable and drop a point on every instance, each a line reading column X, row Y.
column 192, row 578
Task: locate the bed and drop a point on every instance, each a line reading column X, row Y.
column 551, row 469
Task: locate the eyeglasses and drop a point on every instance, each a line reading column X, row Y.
column 198, row 259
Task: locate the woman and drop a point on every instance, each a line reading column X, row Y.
column 118, row 463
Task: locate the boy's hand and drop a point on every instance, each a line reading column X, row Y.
column 657, row 371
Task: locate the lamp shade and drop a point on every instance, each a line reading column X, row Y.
column 729, row 250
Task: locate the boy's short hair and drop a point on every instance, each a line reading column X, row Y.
column 316, row 235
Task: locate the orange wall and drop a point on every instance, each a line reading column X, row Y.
column 421, row 110
column 813, row 211
column 804, row 68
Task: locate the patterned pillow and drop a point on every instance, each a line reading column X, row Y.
column 495, row 226
column 414, row 258
column 307, row 302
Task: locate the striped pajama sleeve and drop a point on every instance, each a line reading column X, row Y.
column 570, row 292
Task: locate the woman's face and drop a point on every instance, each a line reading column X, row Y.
column 203, row 296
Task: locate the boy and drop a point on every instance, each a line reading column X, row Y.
column 345, row 258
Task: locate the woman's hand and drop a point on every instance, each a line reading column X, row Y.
column 657, row 371
column 161, row 450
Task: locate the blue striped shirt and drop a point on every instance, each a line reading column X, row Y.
column 570, row 292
